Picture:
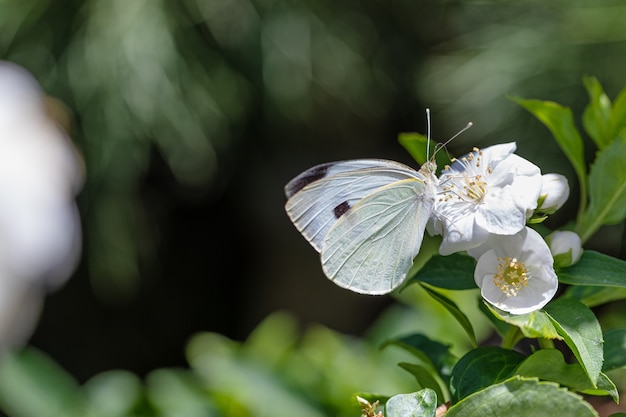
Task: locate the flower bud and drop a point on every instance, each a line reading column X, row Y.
column 554, row 193
column 566, row 248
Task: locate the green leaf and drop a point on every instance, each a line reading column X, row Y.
column 417, row 404
column 549, row 365
column 617, row 120
column 427, row 351
column 177, row 392
column 425, row 377
column 482, row 367
column 607, row 190
column 604, row 387
column 595, row 295
column 560, row 122
column 31, row 384
column 534, row 325
column 455, row 311
column 416, row 145
column 614, row 349
column 597, row 113
column 581, row 332
column 595, row 268
column 113, row 394
column 453, row 272
column 521, row 397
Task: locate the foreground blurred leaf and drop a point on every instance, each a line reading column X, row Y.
column 418, row 404
column 113, row 394
column 581, row 331
column 245, row 383
column 522, row 397
column 31, row 384
column 177, row 392
column 482, row 367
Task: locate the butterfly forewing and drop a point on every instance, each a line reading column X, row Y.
column 371, row 248
column 321, row 195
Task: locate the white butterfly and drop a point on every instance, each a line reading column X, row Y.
column 366, row 217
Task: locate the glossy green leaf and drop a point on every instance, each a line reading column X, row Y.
column 605, row 386
column 595, row 268
column 522, row 397
column 482, row 367
column 455, row 311
column 453, row 272
column 593, row 295
column 425, row 378
column 423, row 348
column 559, row 120
column 614, row 349
column 534, row 325
column 549, row 365
column 581, row 331
column 417, row 404
column 31, row 384
column 597, row 113
column 607, row 190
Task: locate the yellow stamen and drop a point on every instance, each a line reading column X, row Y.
column 471, row 188
column 511, row 276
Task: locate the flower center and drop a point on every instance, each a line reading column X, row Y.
column 474, row 187
column 511, row 275
column 471, row 186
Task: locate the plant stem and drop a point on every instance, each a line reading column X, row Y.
column 512, row 336
column 545, row 343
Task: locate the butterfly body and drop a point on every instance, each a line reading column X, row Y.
column 366, row 217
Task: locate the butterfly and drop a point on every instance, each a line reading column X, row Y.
column 366, row 218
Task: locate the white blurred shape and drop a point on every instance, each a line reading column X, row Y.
column 40, row 173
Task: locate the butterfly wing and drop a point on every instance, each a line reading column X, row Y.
column 370, row 249
column 321, row 195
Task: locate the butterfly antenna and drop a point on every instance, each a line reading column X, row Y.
column 443, row 145
column 427, row 132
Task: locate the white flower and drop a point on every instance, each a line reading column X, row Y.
column 515, row 273
column 486, row 192
column 554, row 193
column 40, row 175
column 566, row 248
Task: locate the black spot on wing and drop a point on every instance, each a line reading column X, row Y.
column 341, row 209
column 306, row 178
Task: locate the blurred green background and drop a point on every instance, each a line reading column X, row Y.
column 191, row 115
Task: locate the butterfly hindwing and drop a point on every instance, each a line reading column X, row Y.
column 321, row 195
column 371, row 247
